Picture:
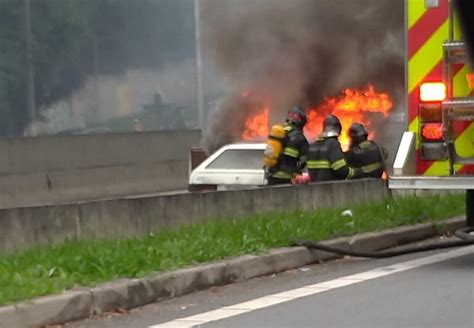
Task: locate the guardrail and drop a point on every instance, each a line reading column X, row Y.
column 32, row 226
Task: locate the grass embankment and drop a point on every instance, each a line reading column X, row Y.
column 49, row 270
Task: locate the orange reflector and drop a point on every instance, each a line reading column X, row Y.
column 432, row 131
column 470, row 80
column 433, row 91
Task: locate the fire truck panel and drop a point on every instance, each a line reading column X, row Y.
column 440, row 106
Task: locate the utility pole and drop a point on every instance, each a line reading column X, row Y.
column 95, row 47
column 200, row 91
column 30, row 75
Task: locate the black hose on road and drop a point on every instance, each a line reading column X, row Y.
column 466, row 238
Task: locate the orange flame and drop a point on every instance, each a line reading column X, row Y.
column 256, row 127
column 351, row 106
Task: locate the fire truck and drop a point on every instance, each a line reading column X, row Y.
column 437, row 149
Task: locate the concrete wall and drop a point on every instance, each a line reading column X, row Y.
column 51, row 170
column 27, row 227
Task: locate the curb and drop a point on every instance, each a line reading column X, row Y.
column 131, row 293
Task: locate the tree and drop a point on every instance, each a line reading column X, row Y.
column 59, row 33
column 69, row 36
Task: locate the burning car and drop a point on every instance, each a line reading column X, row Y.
column 239, row 164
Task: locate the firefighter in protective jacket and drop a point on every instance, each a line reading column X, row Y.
column 365, row 154
column 294, row 149
column 325, row 157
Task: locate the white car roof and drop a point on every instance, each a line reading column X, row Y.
column 202, row 168
column 234, row 146
column 242, row 145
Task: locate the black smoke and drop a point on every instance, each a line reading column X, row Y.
column 300, row 51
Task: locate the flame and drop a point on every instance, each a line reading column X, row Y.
column 256, row 127
column 350, row 106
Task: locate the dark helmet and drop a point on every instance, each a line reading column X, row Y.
column 297, row 116
column 332, row 127
column 357, row 130
column 357, row 133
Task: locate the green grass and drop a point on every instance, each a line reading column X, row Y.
column 51, row 269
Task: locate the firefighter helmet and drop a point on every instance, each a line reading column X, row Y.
column 357, row 130
column 357, row 133
column 297, row 116
column 332, row 127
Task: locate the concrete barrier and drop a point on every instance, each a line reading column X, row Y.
column 27, row 227
column 59, row 169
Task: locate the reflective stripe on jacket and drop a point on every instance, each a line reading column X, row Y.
column 326, row 161
column 366, row 156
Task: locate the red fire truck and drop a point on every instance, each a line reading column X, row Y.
column 437, row 150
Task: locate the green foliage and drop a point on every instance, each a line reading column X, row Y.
column 48, row 270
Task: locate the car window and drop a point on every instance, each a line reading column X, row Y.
column 241, row 159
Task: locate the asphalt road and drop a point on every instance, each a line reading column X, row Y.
column 434, row 289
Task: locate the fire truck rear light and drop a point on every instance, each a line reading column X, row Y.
column 432, row 131
column 432, row 91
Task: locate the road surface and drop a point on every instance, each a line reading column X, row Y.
column 433, row 289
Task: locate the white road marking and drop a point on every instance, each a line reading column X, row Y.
column 290, row 295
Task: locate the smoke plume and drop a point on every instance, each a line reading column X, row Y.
column 299, row 52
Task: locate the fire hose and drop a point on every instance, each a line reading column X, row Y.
column 464, row 235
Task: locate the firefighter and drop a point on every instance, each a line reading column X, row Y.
column 294, row 148
column 365, row 154
column 325, row 157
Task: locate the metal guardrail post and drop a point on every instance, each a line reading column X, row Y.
column 451, row 20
